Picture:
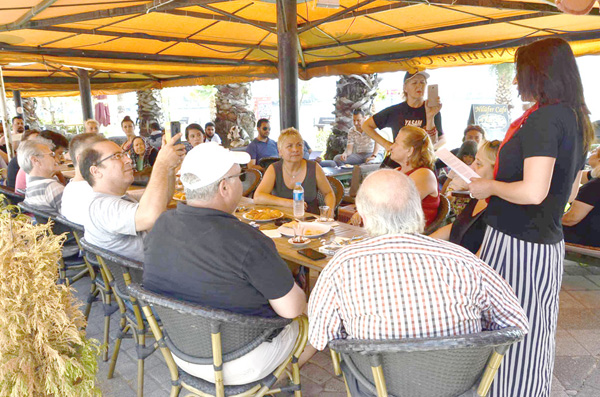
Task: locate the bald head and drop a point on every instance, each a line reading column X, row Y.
column 389, row 203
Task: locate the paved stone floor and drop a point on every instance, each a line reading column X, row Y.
column 576, row 371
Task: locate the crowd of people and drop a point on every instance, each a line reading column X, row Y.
column 499, row 264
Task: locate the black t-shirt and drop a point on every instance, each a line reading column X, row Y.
column 587, row 231
column 400, row 115
column 208, row 257
column 551, row 131
column 12, row 171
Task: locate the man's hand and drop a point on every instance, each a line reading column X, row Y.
column 171, row 155
column 344, row 156
column 370, row 158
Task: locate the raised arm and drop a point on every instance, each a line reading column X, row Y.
column 369, row 127
column 160, row 186
column 263, row 195
column 533, row 189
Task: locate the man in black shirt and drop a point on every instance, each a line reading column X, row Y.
column 203, row 254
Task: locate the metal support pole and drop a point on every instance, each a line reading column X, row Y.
column 287, row 39
column 18, row 102
column 85, row 92
column 7, row 127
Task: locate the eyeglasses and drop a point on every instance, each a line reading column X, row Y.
column 51, row 154
column 266, row 128
column 241, row 175
column 116, row 156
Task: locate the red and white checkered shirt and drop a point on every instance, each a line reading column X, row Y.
column 408, row 286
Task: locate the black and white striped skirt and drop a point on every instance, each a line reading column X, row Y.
column 535, row 273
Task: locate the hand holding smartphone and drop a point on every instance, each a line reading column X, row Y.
column 175, row 129
column 433, row 95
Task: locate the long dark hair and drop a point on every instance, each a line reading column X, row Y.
column 548, row 73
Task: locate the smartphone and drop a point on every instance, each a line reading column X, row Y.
column 281, row 221
column 176, row 129
column 432, row 95
column 312, row 254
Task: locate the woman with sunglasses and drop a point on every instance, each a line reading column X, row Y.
column 468, row 228
column 537, row 167
column 276, row 187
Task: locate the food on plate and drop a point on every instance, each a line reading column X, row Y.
column 263, row 214
column 179, row 196
column 312, row 232
column 291, row 224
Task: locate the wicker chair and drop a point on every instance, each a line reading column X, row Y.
column 441, row 216
column 427, row 367
column 9, row 193
column 265, row 162
column 120, row 272
column 252, row 180
column 338, row 191
column 70, row 262
column 209, row 336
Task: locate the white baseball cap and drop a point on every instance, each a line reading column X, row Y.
column 209, row 162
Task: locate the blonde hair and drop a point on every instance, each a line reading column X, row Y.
column 91, row 121
column 489, row 150
column 287, row 133
column 418, row 139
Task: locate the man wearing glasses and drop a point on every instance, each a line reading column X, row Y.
column 117, row 222
column 36, row 159
column 203, row 254
column 261, row 146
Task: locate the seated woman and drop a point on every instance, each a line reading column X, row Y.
column 468, row 229
column 413, row 150
column 579, row 223
column 280, row 178
column 466, row 154
column 128, row 128
column 142, row 155
column 194, row 135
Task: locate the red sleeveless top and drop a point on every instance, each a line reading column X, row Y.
column 430, row 204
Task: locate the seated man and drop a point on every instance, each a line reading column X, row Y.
column 36, row 159
column 360, row 148
column 13, row 165
column 262, row 145
column 228, row 265
column 78, row 193
column 116, row 221
column 401, row 284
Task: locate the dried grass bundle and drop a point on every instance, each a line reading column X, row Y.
column 43, row 351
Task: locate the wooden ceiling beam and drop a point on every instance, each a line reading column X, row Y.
column 131, row 56
column 155, row 37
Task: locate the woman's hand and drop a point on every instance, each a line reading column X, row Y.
column 481, row 188
column 431, row 111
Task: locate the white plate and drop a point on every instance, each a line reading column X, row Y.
column 263, row 220
column 347, row 166
column 306, row 242
column 318, row 229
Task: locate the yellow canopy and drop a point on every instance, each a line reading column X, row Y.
column 131, row 45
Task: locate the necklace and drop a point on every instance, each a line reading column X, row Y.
column 293, row 176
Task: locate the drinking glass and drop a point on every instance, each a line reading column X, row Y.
column 324, row 213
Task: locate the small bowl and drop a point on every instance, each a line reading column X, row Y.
column 305, row 241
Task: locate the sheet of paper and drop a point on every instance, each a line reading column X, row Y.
column 273, row 233
column 461, row 169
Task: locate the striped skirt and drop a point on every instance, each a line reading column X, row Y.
column 535, row 273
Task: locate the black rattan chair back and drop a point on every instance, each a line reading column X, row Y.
column 9, row 193
column 427, row 367
column 188, row 328
column 252, row 180
column 265, row 162
column 43, row 217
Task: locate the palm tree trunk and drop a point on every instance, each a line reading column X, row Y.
column 232, row 107
column 352, row 92
column 30, row 115
column 149, row 109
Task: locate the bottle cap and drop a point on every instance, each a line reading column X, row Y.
column 298, row 183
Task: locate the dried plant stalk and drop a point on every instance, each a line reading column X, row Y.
column 43, row 351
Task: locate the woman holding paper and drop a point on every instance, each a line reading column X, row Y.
column 538, row 162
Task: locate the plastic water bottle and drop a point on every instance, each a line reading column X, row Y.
column 298, row 201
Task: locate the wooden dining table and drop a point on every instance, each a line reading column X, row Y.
column 289, row 252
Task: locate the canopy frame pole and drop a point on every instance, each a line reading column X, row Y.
column 18, row 102
column 287, row 51
column 85, row 92
column 7, row 130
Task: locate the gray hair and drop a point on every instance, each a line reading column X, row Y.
column 30, row 148
column 389, row 203
column 204, row 193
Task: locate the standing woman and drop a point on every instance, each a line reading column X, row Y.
column 415, row 111
column 538, row 163
column 128, row 128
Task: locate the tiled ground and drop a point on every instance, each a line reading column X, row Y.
column 576, row 371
